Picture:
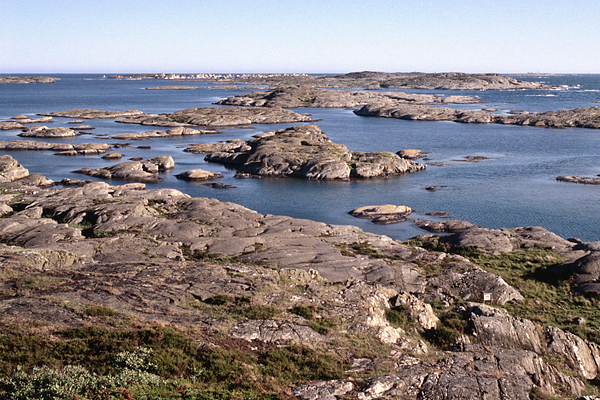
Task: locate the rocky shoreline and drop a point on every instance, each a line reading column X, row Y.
column 460, row 312
column 161, row 257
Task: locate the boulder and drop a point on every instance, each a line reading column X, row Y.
column 326, row 390
column 410, row 154
column 383, row 214
column 112, row 156
column 198, row 175
column 11, row 170
column 135, row 171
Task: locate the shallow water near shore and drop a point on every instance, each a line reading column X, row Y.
column 515, row 186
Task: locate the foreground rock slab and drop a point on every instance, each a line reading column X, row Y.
column 163, row 257
column 306, row 152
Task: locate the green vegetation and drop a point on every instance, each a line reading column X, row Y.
column 227, row 307
column 315, row 321
column 449, row 327
column 100, row 311
column 150, row 363
column 548, row 301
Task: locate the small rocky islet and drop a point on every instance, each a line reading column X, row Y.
column 304, row 152
column 433, row 317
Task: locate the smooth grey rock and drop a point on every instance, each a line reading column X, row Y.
column 327, row 390
column 87, row 113
column 11, row 170
column 45, row 132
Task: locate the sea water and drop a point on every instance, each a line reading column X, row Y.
column 514, row 186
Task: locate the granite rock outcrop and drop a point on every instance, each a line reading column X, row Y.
column 135, row 171
column 586, row 117
column 220, row 116
column 86, row 113
column 310, row 96
column 306, row 152
column 166, row 258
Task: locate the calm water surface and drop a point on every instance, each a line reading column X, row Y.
column 515, row 187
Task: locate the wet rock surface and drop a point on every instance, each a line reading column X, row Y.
column 305, row 152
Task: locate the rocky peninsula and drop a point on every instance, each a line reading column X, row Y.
column 587, row 117
column 220, row 116
column 303, row 152
column 175, row 284
column 311, row 96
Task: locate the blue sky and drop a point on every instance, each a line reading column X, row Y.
column 316, row 36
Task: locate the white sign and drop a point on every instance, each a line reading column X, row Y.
column 487, row 297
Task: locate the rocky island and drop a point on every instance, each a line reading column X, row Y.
column 587, row 117
column 220, row 116
column 136, row 171
column 28, row 79
column 303, row 152
column 311, row 96
column 135, row 291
